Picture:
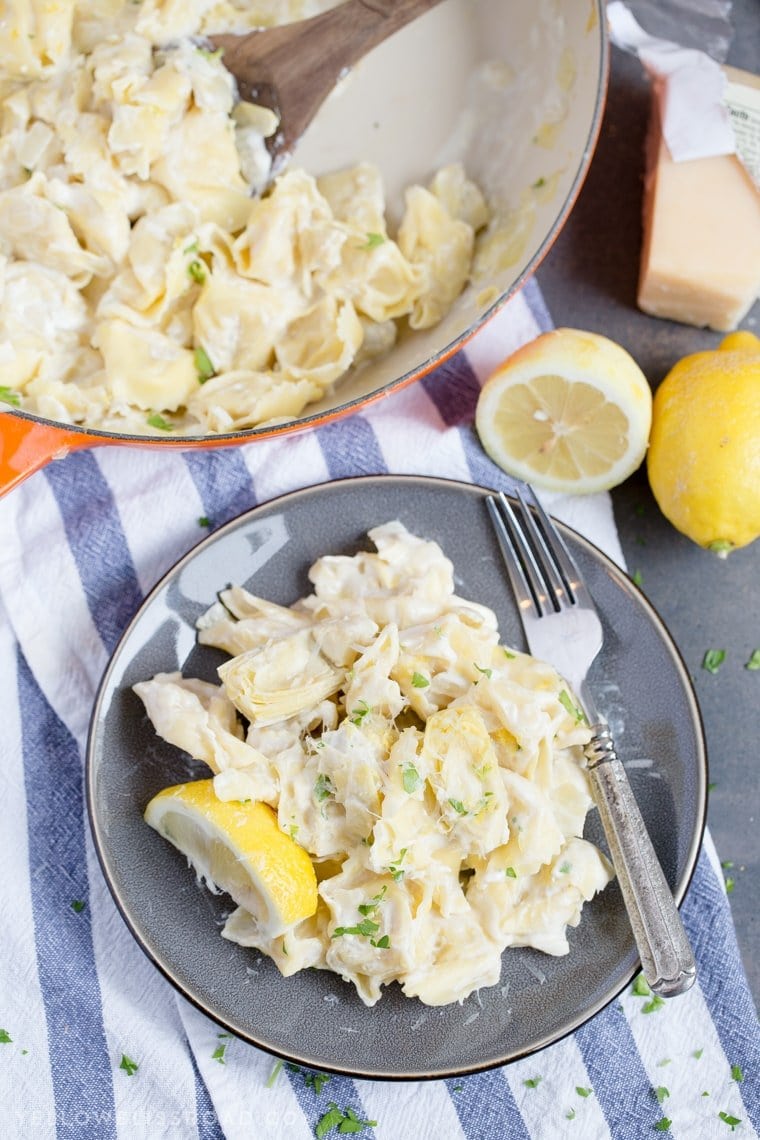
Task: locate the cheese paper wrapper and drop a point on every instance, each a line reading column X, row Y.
column 691, row 89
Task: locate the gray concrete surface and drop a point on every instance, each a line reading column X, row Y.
column 589, row 281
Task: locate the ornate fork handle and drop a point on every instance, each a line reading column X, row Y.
column 666, row 958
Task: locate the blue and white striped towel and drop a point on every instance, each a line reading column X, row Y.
column 82, row 542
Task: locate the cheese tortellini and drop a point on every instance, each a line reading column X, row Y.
column 435, row 777
column 148, row 282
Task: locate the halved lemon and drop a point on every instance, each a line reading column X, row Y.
column 239, row 848
column 569, row 411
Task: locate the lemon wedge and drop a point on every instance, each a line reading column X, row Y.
column 569, row 411
column 239, row 848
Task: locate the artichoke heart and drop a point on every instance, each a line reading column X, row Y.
column 281, row 679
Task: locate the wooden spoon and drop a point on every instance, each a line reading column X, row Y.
column 293, row 68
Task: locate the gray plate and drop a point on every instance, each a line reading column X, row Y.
column 314, row 1018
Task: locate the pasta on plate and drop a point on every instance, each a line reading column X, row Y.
column 434, row 776
column 145, row 285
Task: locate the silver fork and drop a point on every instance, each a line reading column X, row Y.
column 562, row 627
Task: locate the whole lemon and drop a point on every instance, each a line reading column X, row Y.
column 704, row 450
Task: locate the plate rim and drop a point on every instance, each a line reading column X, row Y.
column 363, row 1072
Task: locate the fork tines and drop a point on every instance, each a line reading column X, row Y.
column 541, row 569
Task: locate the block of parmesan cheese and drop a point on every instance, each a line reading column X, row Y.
column 700, row 259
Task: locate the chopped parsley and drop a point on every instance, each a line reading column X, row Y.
column 731, row 1121
column 203, row 366
column 713, row 659
column 510, row 872
column 8, row 396
column 584, row 1092
column 565, row 868
column 510, row 656
column 211, row 56
column 736, row 1073
column 316, row 1081
column 5, row 1037
column 77, row 905
column 192, row 248
column 395, row 867
column 697, row 1054
column 196, row 270
column 129, row 1066
column 661, row 1093
column 374, row 240
column 365, row 929
column 486, row 672
column 721, row 546
column 218, row 1054
column 411, row 779
column 538, row 183
column 754, row 658
column 419, row 681
column 383, row 943
column 346, row 1121
column 569, row 706
column 323, row 788
column 371, row 906
column 655, row 1003
column 637, row 578
column 532, row 1082
column 727, row 864
column 663, row 1125
column 570, row 1114
column 361, row 711
column 458, row 807
column 205, row 522
column 273, row 1075
column 640, row 987
column 157, row 421
column 730, row 884
column 293, row 830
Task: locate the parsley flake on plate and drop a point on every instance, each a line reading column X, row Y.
column 129, row 1066
column 419, row 681
column 532, row 1082
column 205, row 522
column 218, row 1054
column 374, row 240
column 323, row 788
column 570, row 1114
column 196, row 271
column 510, row 872
column 661, row 1093
column 360, row 712
column 569, row 706
column 640, row 987
column 663, row 1125
column 157, row 421
column 731, row 1121
column 77, row 905
column 411, row 779
column 581, row 1091
column 653, row 1005
column 754, row 658
column 5, row 1037
column 737, row 1074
